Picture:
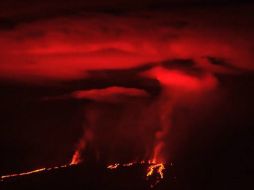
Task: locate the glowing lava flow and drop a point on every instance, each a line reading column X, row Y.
column 154, row 169
column 113, row 166
column 23, row 173
column 33, row 171
column 76, row 158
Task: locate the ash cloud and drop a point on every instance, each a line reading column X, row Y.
column 66, row 48
column 140, row 82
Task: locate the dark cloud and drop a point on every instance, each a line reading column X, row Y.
column 6, row 24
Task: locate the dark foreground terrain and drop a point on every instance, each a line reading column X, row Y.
column 176, row 177
column 90, row 177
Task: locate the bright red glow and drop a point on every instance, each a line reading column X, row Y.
column 109, row 94
column 67, row 48
column 131, row 115
column 180, row 80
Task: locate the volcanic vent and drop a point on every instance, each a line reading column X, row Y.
column 118, row 136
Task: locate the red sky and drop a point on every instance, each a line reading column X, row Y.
column 67, row 47
column 182, row 77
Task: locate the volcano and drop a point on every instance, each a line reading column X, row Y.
column 125, row 94
column 94, row 176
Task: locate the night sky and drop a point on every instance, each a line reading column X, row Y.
column 120, row 81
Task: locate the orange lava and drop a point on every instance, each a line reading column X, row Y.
column 75, row 158
column 152, row 169
column 32, row 172
column 113, row 166
column 156, row 168
column 23, row 173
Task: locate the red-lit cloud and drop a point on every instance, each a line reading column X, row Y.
column 109, row 94
column 137, row 70
column 66, row 48
column 112, row 94
column 176, row 79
